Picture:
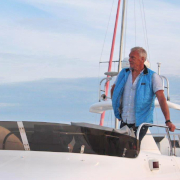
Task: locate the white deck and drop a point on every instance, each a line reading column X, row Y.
column 21, row 165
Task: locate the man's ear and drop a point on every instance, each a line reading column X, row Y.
column 143, row 59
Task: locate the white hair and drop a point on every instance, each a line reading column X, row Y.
column 142, row 52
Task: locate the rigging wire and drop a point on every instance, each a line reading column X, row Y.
column 104, row 44
column 146, row 29
column 125, row 29
column 143, row 25
column 114, row 66
column 135, row 19
column 104, row 41
column 106, row 31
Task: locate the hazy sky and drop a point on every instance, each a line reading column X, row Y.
column 64, row 38
column 44, row 40
column 65, row 101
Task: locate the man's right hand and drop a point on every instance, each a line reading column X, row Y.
column 171, row 126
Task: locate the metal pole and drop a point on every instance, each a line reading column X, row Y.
column 167, row 82
column 174, row 145
column 116, row 123
column 159, row 65
column 169, row 139
column 122, row 35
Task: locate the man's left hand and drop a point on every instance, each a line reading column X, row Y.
column 171, row 126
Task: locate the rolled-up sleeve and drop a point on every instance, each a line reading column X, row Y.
column 157, row 83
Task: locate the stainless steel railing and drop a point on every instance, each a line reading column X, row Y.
column 161, row 126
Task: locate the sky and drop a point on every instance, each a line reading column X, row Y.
column 65, row 101
column 42, row 39
column 51, row 49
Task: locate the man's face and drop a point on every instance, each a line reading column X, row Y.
column 135, row 60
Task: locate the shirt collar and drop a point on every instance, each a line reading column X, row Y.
column 140, row 72
column 145, row 70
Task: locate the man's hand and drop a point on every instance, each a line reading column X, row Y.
column 171, row 126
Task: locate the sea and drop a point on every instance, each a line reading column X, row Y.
column 66, row 101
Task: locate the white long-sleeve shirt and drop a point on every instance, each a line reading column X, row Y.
column 128, row 110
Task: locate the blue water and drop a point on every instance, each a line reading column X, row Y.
column 64, row 101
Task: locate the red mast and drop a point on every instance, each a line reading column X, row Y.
column 111, row 58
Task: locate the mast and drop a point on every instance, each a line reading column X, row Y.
column 122, row 35
column 111, row 58
column 121, row 48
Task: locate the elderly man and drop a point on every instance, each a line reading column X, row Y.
column 134, row 92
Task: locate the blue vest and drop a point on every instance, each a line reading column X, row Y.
column 144, row 97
